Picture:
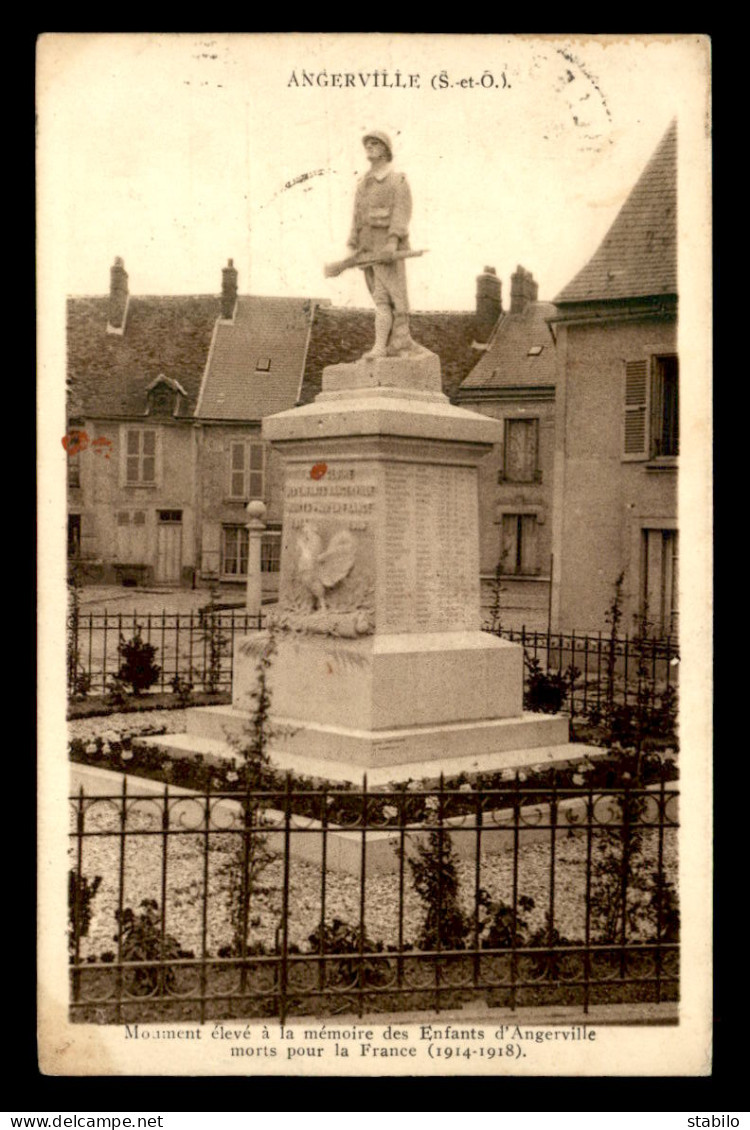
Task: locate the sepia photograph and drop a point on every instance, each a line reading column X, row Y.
column 375, row 578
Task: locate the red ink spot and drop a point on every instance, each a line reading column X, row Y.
column 75, row 441
column 318, row 471
column 100, row 443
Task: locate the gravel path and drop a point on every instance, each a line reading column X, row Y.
column 185, row 885
column 184, row 892
column 140, row 722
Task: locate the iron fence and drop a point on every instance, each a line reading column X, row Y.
column 602, row 677
column 195, row 647
column 284, row 902
column 591, row 676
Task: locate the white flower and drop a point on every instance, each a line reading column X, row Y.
column 578, row 779
column 233, row 776
column 90, row 747
column 105, row 747
column 432, row 804
column 522, row 776
column 126, row 754
column 390, row 811
column 466, row 787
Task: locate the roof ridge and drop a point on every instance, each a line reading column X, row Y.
column 637, row 255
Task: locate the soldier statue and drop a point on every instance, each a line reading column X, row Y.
column 379, row 242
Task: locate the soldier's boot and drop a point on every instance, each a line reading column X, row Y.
column 383, row 323
column 401, row 340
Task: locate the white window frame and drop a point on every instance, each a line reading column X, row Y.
column 270, row 551
column 242, row 538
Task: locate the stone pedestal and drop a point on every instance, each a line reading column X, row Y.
column 381, row 663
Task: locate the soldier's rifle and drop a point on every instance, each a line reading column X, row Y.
column 331, row 270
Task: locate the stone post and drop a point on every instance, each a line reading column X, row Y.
column 256, row 512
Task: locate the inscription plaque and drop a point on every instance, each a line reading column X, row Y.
column 430, row 563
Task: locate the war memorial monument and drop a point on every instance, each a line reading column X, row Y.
column 380, row 664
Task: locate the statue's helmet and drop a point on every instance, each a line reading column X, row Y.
column 383, row 138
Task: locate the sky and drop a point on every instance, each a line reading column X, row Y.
column 178, row 152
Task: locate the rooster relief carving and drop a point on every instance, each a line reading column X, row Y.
column 321, row 567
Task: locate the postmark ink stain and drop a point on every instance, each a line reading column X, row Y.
column 75, row 441
column 318, row 471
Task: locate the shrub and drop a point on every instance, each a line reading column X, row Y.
column 498, row 928
column 215, row 640
column 249, row 855
column 340, row 937
column 627, row 895
column 182, row 688
column 116, row 695
column 81, row 684
column 436, row 882
column 137, row 667
column 81, row 894
column 551, row 965
column 142, row 941
column 546, row 693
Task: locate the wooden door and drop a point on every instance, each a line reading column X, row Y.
column 169, row 547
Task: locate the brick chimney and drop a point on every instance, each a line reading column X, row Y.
column 523, row 290
column 118, row 296
column 228, row 290
column 489, row 303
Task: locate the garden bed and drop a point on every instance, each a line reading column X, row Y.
column 252, row 989
column 94, row 706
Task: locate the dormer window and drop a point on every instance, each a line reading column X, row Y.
column 164, row 397
column 263, row 365
column 535, row 350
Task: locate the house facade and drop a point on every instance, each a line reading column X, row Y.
column 166, row 400
column 514, row 382
column 617, row 417
column 134, row 372
column 254, row 368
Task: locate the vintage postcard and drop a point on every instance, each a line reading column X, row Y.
column 374, row 507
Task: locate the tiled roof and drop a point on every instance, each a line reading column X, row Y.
column 341, row 335
column 638, row 256
column 508, row 361
column 257, row 360
column 108, row 374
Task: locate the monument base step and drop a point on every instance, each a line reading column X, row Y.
column 386, row 747
column 216, row 749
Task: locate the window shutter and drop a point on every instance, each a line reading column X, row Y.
column 257, row 462
column 509, row 549
column 237, row 487
column 210, row 548
column 635, row 443
column 528, row 544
